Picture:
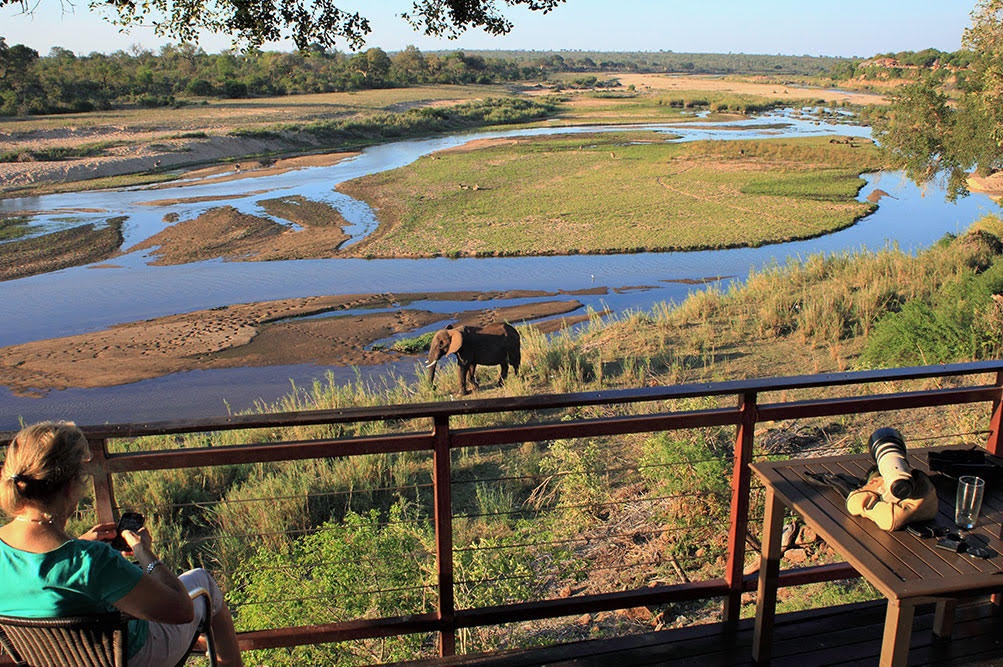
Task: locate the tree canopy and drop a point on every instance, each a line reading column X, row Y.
column 309, row 23
column 935, row 137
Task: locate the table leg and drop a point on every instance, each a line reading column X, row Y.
column 943, row 619
column 769, row 570
column 898, row 633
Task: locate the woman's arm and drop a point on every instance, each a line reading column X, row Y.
column 159, row 596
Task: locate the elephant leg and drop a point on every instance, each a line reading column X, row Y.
column 472, row 376
column 462, row 370
column 504, row 373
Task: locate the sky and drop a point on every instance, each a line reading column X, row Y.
column 792, row 27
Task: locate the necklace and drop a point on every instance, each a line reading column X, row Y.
column 40, row 522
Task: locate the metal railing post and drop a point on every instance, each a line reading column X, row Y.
column 996, row 420
column 104, row 492
column 739, row 526
column 442, row 484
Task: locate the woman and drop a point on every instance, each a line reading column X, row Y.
column 47, row 573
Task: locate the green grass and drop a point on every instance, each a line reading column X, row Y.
column 13, row 228
column 614, row 192
column 411, row 345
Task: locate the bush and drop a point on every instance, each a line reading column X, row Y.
column 960, row 322
column 370, row 565
column 199, row 87
column 234, row 89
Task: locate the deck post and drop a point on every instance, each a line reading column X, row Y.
column 104, row 492
column 739, row 526
column 442, row 484
column 993, row 442
column 993, row 445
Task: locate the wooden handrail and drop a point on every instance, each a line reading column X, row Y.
column 525, row 403
column 442, row 438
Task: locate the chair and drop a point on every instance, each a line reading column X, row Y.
column 78, row 641
column 84, row 641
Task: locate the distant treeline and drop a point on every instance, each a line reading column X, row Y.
column 668, row 62
column 63, row 82
column 904, row 64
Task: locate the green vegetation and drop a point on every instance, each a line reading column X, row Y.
column 607, row 108
column 411, row 345
column 64, row 82
column 668, row 62
column 299, row 542
column 932, row 136
column 614, row 192
column 425, row 120
column 16, row 227
column 962, row 320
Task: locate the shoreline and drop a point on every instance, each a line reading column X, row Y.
column 323, row 330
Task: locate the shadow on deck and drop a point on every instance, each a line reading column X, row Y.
column 844, row 635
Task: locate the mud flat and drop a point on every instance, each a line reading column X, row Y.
column 227, row 233
column 59, row 250
column 267, row 333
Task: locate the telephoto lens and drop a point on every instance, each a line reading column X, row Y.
column 888, row 449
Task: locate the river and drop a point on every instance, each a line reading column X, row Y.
column 90, row 298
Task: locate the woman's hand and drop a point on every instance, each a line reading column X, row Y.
column 138, row 539
column 103, row 532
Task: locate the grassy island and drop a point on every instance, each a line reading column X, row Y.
column 614, row 192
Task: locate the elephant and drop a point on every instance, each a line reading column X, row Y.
column 489, row 345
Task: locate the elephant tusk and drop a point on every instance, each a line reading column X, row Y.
column 429, row 364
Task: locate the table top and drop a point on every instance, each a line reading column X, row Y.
column 898, row 563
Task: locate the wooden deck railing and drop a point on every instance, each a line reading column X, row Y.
column 441, row 439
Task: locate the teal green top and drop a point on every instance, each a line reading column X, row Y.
column 77, row 578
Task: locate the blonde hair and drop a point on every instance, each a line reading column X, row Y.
column 41, row 460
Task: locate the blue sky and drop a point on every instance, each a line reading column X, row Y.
column 847, row 28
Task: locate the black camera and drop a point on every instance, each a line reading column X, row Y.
column 128, row 521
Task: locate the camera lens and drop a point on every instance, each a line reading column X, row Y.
column 888, row 449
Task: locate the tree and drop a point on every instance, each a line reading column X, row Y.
column 254, row 22
column 932, row 138
column 19, row 89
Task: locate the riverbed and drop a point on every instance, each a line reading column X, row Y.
column 128, row 289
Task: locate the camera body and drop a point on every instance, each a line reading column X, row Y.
column 888, row 450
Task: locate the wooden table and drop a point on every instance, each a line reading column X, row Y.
column 907, row 569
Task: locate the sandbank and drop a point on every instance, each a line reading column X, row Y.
column 313, row 330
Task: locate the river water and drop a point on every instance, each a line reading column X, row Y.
column 90, row 298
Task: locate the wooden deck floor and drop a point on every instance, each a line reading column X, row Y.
column 845, row 635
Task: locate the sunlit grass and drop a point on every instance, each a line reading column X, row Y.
column 614, row 193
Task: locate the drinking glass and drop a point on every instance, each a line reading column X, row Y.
column 969, row 501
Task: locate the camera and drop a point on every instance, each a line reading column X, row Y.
column 128, row 521
column 888, row 450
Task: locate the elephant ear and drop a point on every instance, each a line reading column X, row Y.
column 455, row 341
